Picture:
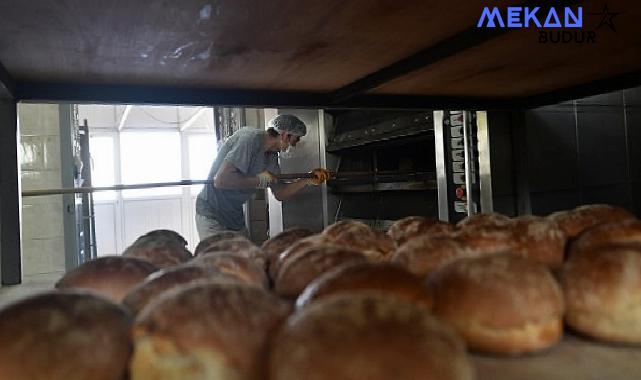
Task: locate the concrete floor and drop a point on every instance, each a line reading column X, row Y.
column 30, row 285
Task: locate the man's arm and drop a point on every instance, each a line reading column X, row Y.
column 229, row 177
column 285, row 192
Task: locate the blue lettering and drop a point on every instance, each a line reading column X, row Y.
column 491, row 17
column 530, row 15
column 552, row 14
column 514, row 17
column 576, row 19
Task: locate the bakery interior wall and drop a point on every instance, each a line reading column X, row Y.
column 43, row 245
column 560, row 156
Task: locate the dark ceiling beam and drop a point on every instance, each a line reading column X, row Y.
column 143, row 94
column 469, row 38
column 7, row 86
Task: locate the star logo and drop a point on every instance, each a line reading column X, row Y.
column 607, row 18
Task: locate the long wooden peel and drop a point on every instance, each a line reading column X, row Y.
column 185, row 182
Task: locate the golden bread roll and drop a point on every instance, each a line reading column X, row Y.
column 503, row 303
column 490, row 219
column 206, row 331
column 366, row 336
column 627, row 232
column 358, row 236
column 66, row 335
column 163, row 252
column 487, row 239
column 163, row 280
column 240, row 246
column 299, row 246
column 218, row 237
column 111, row 276
column 540, row 239
column 413, row 226
column 425, row 254
column 245, row 269
column 272, row 248
column 575, row 221
column 602, row 290
column 298, row 271
column 167, row 234
column 366, row 276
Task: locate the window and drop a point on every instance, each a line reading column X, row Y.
column 202, row 152
column 102, row 165
column 150, row 157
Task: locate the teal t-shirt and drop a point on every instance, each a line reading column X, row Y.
column 245, row 150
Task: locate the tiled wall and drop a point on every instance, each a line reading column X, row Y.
column 42, row 227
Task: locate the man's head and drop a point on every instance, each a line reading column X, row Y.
column 289, row 129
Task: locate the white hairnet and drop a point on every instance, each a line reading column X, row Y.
column 289, row 124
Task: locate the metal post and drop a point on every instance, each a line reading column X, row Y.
column 441, row 178
column 10, row 220
column 72, row 248
column 485, row 170
column 467, row 147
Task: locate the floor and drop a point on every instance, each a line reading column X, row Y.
column 30, row 285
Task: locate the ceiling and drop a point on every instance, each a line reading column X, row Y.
column 374, row 53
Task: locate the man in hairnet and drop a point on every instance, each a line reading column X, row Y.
column 249, row 160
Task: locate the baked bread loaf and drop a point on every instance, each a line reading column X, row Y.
column 66, row 335
column 218, row 237
column 272, row 248
column 366, row 336
column 503, row 304
column 244, row 269
column 371, row 277
column 490, row 219
column 483, row 240
column 205, row 331
column 163, row 280
column 358, row 236
column 298, row 271
column 540, row 239
column 627, row 232
column 575, row 221
column 239, row 246
column 423, row 255
column 413, row 226
column 110, row 276
column 299, row 246
column 167, row 234
column 602, row 290
column 163, row 252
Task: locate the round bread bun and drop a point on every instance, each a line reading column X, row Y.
column 366, row 336
column 490, row 219
column 218, row 237
column 413, row 226
column 244, row 269
column 163, row 280
column 487, row 239
column 299, row 246
column 205, row 331
column 423, row 255
column 298, row 271
column 163, row 252
column 575, row 221
column 602, row 290
column 167, row 234
column 241, row 246
column 358, row 236
column 111, row 276
column 627, row 232
column 366, row 276
column 273, row 247
column 67, row 335
column 502, row 304
column 540, row 239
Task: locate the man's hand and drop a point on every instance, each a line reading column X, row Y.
column 265, row 179
column 319, row 176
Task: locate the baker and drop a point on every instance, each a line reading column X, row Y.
column 246, row 161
